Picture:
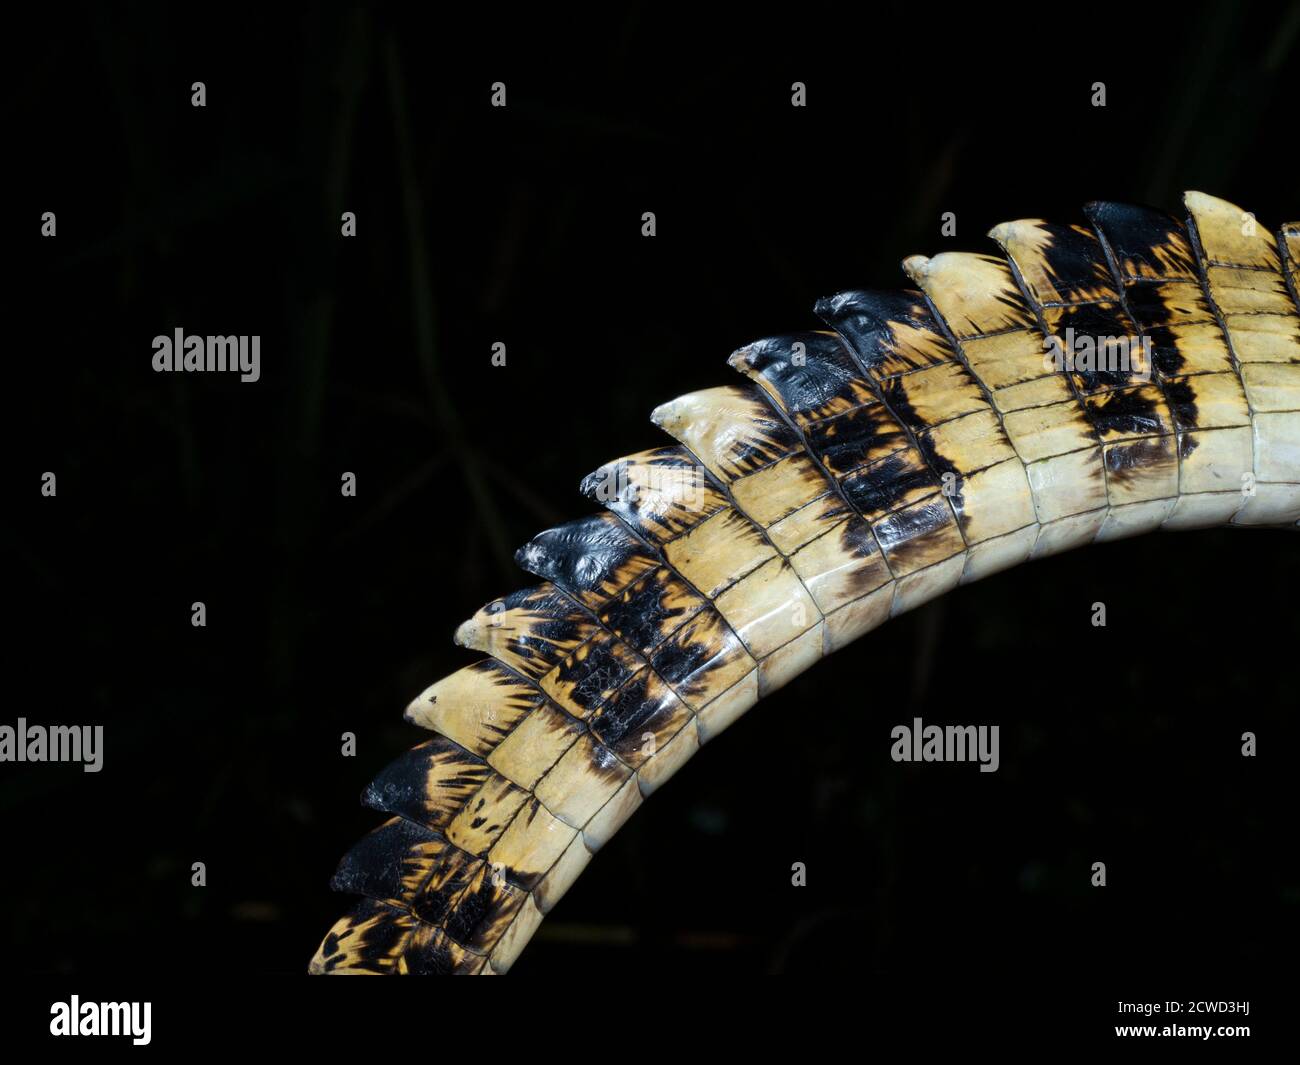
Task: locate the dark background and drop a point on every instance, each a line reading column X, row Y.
column 522, row 225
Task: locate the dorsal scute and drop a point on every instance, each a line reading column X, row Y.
column 809, row 375
column 592, row 559
column 660, row 494
column 1060, row 264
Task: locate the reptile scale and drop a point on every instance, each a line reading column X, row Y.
column 926, row 439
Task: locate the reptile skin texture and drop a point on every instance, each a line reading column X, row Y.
column 924, row 440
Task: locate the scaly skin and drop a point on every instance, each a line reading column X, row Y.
column 922, row 443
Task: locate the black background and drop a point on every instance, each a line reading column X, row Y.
column 522, row 225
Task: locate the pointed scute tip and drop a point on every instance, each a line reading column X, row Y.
column 528, row 556
column 666, row 415
column 826, row 306
column 465, row 634
column 676, row 415
column 917, row 267
column 327, row 949
column 1203, row 202
column 742, row 358
column 590, row 485
column 1006, row 233
column 417, row 710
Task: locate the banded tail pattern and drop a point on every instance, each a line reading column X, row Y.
column 923, row 440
